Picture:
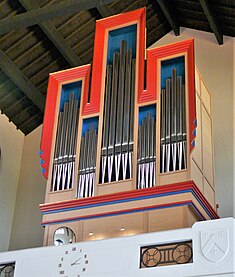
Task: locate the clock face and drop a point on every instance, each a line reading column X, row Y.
column 73, row 263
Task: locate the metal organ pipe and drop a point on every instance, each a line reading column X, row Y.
column 87, row 164
column 113, row 113
column 146, row 153
column 66, row 137
column 127, row 114
column 132, row 103
column 104, row 151
column 173, row 125
column 120, row 106
column 117, row 140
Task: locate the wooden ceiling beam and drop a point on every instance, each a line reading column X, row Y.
column 105, row 11
column 169, row 16
column 54, row 36
column 40, row 15
column 212, row 21
column 24, row 84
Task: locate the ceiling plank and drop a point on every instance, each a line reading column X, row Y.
column 170, row 16
column 27, row 121
column 54, row 35
column 212, row 21
column 37, row 16
column 17, row 76
column 12, row 108
column 27, row 109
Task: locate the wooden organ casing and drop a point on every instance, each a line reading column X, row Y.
column 120, row 158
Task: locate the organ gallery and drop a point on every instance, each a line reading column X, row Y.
column 127, row 142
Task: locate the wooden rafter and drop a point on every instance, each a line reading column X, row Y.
column 40, row 15
column 169, row 16
column 53, row 34
column 212, row 21
column 17, row 76
column 105, row 11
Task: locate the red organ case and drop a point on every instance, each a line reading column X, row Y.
column 121, row 158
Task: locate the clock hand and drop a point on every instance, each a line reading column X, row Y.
column 76, row 262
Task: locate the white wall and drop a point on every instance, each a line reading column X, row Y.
column 213, row 245
column 11, row 143
column 215, row 63
column 26, row 230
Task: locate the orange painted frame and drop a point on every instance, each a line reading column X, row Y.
column 153, row 55
column 55, row 80
column 102, row 27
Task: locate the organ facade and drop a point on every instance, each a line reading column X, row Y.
column 127, row 141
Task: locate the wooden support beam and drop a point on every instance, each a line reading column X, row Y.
column 105, row 11
column 212, row 21
column 17, row 76
column 37, row 16
column 169, row 15
column 54, row 35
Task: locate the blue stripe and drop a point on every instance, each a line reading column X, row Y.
column 205, row 208
column 126, row 212
column 117, row 201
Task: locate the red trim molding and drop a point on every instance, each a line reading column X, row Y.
column 55, row 81
column 100, row 48
column 129, row 196
column 128, row 211
column 185, row 47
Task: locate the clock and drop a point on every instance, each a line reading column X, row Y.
column 73, row 262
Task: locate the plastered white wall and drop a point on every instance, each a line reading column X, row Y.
column 216, row 65
column 26, row 230
column 11, row 143
column 213, row 255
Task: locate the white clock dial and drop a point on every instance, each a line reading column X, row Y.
column 73, row 262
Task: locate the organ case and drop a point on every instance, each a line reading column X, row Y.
column 115, row 149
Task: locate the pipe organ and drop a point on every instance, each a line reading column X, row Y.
column 119, row 156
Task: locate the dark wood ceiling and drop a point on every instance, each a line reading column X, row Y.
column 40, row 37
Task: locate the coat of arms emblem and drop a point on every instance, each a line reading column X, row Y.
column 214, row 244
